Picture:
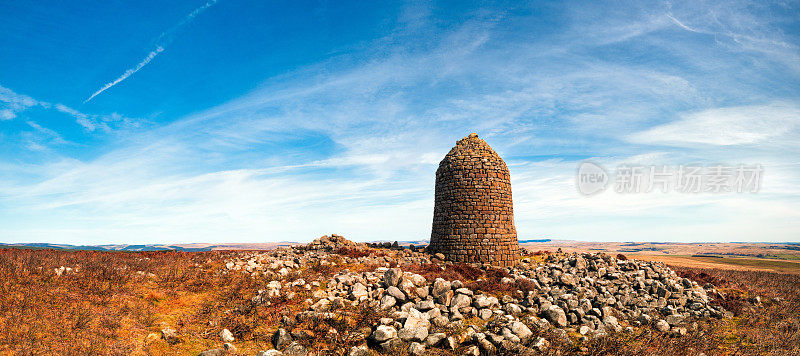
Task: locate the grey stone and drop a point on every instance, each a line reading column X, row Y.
column 321, row 305
column 359, row 351
column 440, row 288
column 450, row 343
column 384, row 333
column 481, row 301
column 226, row 335
column 434, row 339
column 440, row 321
column 509, row 336
column 170, row 335
column 486, row 346
column 567, row 279
column 556, row 316
column 644, row 319
column 387, row 302
column 416, row 349
column 541, row 344
column 434, row 313
column 425, row 305
column 415, row 327
column 396, row 293
column 270, row 353
column 229, row 347
column 413, row 334
column 409, row 289
column 675, row 319
column 512, row 309
column 358, row 290
column 418, row 280
column 295, row 349
column 472, row 351
column 662, row 325
column 494, row 338
column 281, row 339
column 460, row 301
column 465, row 291
column 521, row 330
column 391, row 344
column 392, row 277
column 485, row 314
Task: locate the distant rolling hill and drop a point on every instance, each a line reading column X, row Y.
column 193, row 247
column 155, row 247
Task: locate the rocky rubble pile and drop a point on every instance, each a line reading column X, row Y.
column 589, row 295
column 330, row 243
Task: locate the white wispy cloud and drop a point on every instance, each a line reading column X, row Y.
column 679, row 23
column 374, row 134
column 165, row 38
column 12, row 103
column 771, row 124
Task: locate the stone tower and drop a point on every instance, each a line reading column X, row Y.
column 473, row 214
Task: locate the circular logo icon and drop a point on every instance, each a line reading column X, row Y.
column 591, row 178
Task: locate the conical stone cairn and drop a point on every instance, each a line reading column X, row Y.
column 473, row 214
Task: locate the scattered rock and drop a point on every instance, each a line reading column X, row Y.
column 170, row 335
column 541, row 344
column 387, row 302
column 662, row 326
column 295, row 349
column 416, row 349
column 434, row 339
column 521, row 330
column 359, row 351
column 415, row 327
column 270, row 353
column 281, row 339
column 226, row 336
column 555, row 315
column 383, row 333
column 587, row 293
column 392, row 277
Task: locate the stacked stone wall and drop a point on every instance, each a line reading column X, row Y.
column 473, row 216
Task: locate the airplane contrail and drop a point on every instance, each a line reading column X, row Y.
column 165, row 38
column 128, row 72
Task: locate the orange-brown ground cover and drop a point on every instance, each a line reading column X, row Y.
column 118, row 302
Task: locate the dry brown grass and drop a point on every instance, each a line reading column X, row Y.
column 108, row 307
column 458, row 271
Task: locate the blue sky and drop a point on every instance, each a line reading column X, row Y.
column 253, row 121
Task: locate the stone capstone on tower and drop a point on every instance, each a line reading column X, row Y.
column 473, row 214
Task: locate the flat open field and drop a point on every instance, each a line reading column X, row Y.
column 767, row 257
column 731, row 263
